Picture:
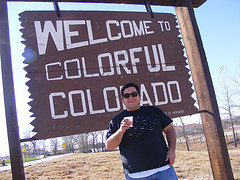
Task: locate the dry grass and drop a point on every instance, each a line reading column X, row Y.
column 190, row 165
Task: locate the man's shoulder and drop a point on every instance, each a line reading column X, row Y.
column 150, row 108
column 120, row 115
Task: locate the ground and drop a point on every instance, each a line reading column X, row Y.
column 189, row 165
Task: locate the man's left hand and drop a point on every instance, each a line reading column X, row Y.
column 171, row 157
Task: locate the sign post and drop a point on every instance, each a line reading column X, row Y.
column 9, row 97
column 211, row 120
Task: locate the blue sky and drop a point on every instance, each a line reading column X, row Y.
column 218, row 21
column 219, row 24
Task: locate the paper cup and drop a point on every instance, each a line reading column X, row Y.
column 130, row 118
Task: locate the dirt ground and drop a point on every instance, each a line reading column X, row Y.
column 189, row 165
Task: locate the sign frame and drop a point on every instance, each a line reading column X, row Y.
column 221, row 166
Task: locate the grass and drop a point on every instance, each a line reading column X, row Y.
column 29, row 159
column 24, row 160
column 189, row 165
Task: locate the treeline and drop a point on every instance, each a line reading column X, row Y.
column 82, row 143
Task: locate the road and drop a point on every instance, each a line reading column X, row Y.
column 48, row 158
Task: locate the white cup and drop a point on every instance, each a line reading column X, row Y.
column 130, row 118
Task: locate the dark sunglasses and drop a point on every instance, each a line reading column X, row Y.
column 133, row 94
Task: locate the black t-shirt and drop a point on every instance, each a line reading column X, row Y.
column 143, row 146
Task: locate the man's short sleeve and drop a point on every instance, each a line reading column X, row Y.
column 165, row 119
column 110, row 129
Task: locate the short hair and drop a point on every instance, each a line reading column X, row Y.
column 130, row 85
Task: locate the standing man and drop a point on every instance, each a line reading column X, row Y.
column 143, row 149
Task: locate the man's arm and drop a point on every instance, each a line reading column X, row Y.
column 115, row 139
column 171, row 139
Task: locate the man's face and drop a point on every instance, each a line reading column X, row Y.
column 131, row 103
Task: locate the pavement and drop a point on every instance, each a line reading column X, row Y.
column 48, row 158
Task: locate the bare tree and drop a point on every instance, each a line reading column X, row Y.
column 94, row 140
column 81, row 141
column 237, row 84
column 28, row 150
column 228, row 109
column 184, row 132
column 32, row 144
column 70, row 143
column 103, row 133
column 54, row 145
column 44, row 147
column 227, row 103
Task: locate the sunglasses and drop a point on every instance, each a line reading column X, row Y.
column 133, row 94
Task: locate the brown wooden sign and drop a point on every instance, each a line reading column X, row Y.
column 77, row 64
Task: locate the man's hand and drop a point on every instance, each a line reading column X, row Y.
column 125, row 124
column 171, row 156
column 171, row 138
column 115, row 139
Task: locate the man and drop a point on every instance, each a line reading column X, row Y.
column 3, row 163
column 143, row 149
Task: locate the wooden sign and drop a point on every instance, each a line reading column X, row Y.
column 78, row 63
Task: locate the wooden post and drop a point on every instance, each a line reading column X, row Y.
column 206, row 97
column 9, row 97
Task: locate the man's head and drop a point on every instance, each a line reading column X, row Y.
column 131, row 96
column 130, row 85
